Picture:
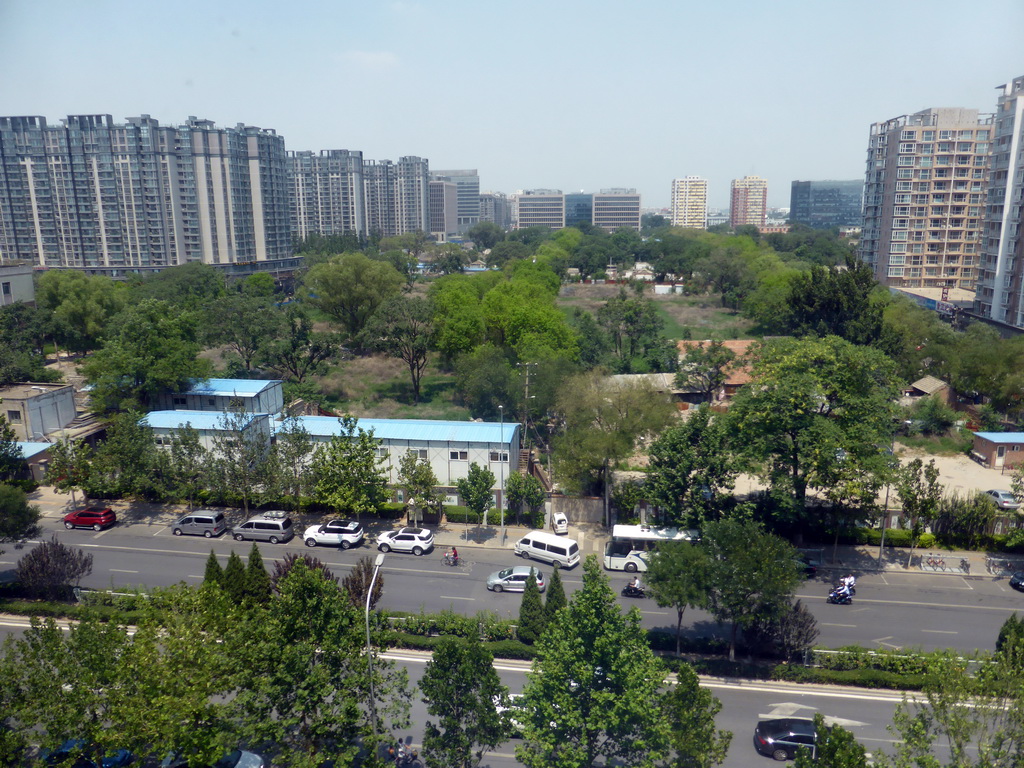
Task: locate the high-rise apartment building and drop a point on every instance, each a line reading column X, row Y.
column 690, row 202
column 999, row 293
column 748, row 202
column 495, row 207
column 826, row 204
column 617, row 209
column 396, row 196
column 115, row 197
column 467, row 183
column 326, row 193
column 540, row 208
column 444, row 209
column 924, row 191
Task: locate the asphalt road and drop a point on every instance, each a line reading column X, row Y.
column 891, row 610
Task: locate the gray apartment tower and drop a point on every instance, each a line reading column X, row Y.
column 120, row 197
column 826, row 204
column 326, row 193
column 467, row 184
column 396, row 196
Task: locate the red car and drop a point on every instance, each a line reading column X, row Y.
column 96, row 518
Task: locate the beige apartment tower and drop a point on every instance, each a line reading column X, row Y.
column 690, row 202
column 924, row 198
column 748, row 202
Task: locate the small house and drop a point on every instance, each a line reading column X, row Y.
column 998, row 450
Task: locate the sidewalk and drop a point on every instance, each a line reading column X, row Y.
column 591, row 538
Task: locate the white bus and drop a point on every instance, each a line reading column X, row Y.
column 631, row 544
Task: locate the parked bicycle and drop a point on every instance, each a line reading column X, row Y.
column 936, row 562
column 965, row 565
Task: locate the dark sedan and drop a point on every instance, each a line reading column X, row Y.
column 1017, row 581
column 784, row 737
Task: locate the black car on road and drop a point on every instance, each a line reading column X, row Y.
column 784, row 737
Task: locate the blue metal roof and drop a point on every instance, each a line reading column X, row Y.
column 200, row 420
column 229, row 387
column 28, row 450
column 420, row 430
column 1002, row 437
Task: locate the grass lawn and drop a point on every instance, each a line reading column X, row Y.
column 953, row 444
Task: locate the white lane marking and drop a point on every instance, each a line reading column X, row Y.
column 940, row 631
column 827, row 624
column 120, row 570
column 655, row 613
column 916, row 603
column 965, row 582
column 101, row 534
column 193, row 576
column 882, row 575
column 6, row 562
column 454, row 597
column 161, row 530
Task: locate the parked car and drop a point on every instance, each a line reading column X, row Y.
column 202, row 522
column 340, row 533
column 1017, row 580
column 806, row 566
column 61, row 754
column 514, row 579
column 415, row 540
column 236, row 758
column 96, row 518
column 1003, row 499
column 511, row 710
column 270, row 526
column 782, row 738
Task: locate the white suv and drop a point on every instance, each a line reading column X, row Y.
column 340, row 533
column 415, row 540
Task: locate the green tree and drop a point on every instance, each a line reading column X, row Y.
column 257, row 580
column 458, row 314
column 357, row 583
column 485, row 235
column 80, row 306
column 632, row 324
column 751, row 574
column 402, row 327
column 917, row 485
column 416, row 477
column 235, row 581
column 70, row 466
column 933, row 415
column 189, row 463
column 484, row 380
column 349, row 288
column 475, row 490
column 189, row 286
column 524, row 493
column 593, row 696
column 347, row 473
column 293, row 446
column 836, row 748
column 241, row 450
column 19, row 520
column 554, row 599
column 678, row 576
column 461, row 689
column 691, row 468
column 128, row 462
column 245, row 324
column 694, row 741
column 604, row 423
column 809, row 400
column 151, row 348
column 505, row 251
column 299, row 352
column 836, row 301
column 52, row 569
column 213, row 574
column 531, row 612
column 704, row 368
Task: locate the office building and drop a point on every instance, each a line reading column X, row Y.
column 748, row 202
column 396, row 196
column 826, row 204
column 495, row 207
column 540, row 208
column 444, row 209
column 467, row 182
column 616, row 209
column 135, row 196
column 579, row 207
column 326, row 193
column 999, row 293
column 690, row 202
column 924, row 191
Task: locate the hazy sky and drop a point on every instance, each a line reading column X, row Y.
column 560, row 94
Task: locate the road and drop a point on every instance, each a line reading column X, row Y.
column 891, row 610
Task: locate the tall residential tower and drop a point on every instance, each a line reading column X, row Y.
column 748, row 202
column 690, row 202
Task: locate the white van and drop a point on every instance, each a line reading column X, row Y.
column 548, row 548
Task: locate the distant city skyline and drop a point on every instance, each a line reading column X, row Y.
column 571, row 95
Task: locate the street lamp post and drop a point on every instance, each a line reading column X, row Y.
column 369, row 651
column 501, row 463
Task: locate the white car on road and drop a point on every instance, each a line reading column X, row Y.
column 338, row 533
column 415, row 540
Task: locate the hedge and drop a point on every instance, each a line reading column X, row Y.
column 459, row 514
column 864, row 678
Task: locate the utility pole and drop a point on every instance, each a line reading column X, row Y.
column 526, row 393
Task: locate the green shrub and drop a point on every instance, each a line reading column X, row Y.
column 510, row 649
column 865, row 678
column 392, row 510
column 926, row 541
column 666, row 641
column 458, row 514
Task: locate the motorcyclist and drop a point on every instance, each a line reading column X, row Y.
column 850, row 582
column 635, row 584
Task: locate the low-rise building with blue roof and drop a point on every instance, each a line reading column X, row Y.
column 252, row 395
column 999, row 449
column 209, row 424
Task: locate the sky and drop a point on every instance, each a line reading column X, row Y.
column 563, row 94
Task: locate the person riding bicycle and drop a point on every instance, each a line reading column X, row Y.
column 453, row 556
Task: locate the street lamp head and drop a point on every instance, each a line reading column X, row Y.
column 379, row 561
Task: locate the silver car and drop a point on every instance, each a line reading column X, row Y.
column 1003, row 499
column 514, row 579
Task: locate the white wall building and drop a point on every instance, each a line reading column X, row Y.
column 250, row 395
column 209, row 425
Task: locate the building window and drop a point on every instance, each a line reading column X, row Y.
column 5, row 288
column 499, row 456
column 907, row 135
column 906, row 149
column 14, row 417
column 179, row 401
column 458, row 455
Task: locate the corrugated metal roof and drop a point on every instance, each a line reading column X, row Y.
column 929, row 384
column 1002, row 437
column 422, row 430
column 28, row 450
column 229, row 387
column 200, row 420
